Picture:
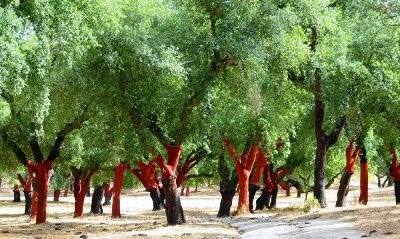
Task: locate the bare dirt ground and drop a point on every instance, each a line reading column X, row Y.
column 380, row 219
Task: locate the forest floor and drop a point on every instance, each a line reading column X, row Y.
column 380, row 219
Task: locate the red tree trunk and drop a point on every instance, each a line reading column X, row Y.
column 395, row 173
column 80, row 200
column 243, row 165
column 173, row 207
column 34, row 204
column 42, row 182
column 119, row 171
column 363, row 177
column 351, row 158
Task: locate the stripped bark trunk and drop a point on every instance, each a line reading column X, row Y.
column 117, row 187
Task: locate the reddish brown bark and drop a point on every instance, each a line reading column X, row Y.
column 259, row 168
column 243, row 165
column 363, row 199
column 80, row 199
column 147, row 175
column 395, row 173
column 34, row 204
column 27, row 184
column 351, row 158
column 42, row 183
column 173, row 207
column 395, row 167
column 119, row 171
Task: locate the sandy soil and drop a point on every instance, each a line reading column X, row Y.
column 380, row 219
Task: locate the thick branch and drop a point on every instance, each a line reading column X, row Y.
column 333, row 137
column 19, row 153
column 68, row 128
column 156, row 130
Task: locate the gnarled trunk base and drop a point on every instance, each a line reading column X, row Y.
column 226, row 202
column 173, row 207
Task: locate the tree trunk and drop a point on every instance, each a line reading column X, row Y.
column 156, row 198
column 97, row 197
column 390, row 181
column 28, row 202
column 363, row 199
column 117, row 187
column 319, row 174
column 173, row 207
column 34, row 203
column 42, row 180
column 379, row 181
column 17, row 194
column 252, row 192
column 226, row 202
column 88, row 190
column 343, row 188
column 182, row 191
column 57, row 193
column 80, row 200
column 274, row 197
column 243, row 204
column 66, row 192
column 264, row 200
column 397, row 191
column 187, row 192
column 107, row 194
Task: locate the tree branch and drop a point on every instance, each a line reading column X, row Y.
column 156, row 130
column 68, row 128
column 19, row 153
column 333, row 137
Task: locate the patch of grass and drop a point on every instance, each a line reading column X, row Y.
column 310, row 204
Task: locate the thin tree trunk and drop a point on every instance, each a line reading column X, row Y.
column 343, row 188
column 397, row 191
column 57, row 193
column 363, row 199
column 274, row 197
column 17, row 194
column 117, row 187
